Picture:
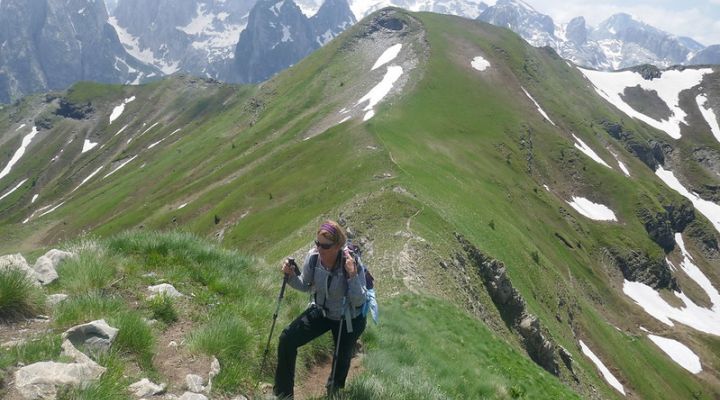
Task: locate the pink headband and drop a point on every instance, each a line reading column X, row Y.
column 331, row 230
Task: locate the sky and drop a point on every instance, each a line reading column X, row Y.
column 697, row 19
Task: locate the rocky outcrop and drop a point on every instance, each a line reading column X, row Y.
column 638, row 266
column 512, row 307
column 650, row 152
column 661, row 225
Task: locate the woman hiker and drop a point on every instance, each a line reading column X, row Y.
column 330, row 272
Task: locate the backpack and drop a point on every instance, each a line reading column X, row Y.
column 371, row 304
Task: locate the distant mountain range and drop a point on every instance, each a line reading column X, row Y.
column 50, row 44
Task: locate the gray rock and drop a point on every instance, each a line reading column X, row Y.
column 45, row 270
column 41, row 380
column 145, row 387
column 164, row 288
column 214, row 371
column 17, row 261
column 55, row 299
column 193, row 396
column 96, row 335
column 194, row 383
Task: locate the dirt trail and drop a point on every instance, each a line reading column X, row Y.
column 313, row 385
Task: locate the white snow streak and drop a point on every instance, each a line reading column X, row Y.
column 132, row 45
column 594, row 211
column 707, row 208
column 387, row 56
column 579, row 144
column 709, row 115
column 540, row 110
column 87, row 179
column 679, row 353
column 34, row 198
column 19, row 152
column 120, row 166
column 381, row 89
column 121, row 129
column 480, row 64
column 20, row 127
column 13, row 189
column 611, row 85
column 609, row 377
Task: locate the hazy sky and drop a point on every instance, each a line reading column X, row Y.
column 698, row 19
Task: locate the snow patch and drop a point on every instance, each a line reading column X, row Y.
column 117, row 111
column 679, row 353
column 87, row 146
column 611, row 85
column 133, row 47
column 388, row 55
column 181, row 206
column 380, row 90
column 579, row 144
column 34, row 198
column 19, row 152
column 594, row 211
column 540, row 110
column 694, row 272
column 20, row 127
column 482, row 64
column 709, row 115
column 623, row 168
column 609, row 377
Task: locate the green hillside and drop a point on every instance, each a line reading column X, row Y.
column 456, row 174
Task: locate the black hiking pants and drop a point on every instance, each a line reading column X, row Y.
column 309, row 325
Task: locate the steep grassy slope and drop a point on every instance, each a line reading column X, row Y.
column 451, row 152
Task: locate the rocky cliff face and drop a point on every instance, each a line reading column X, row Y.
column 278, row 35
column 50, row 44
column 197, row 37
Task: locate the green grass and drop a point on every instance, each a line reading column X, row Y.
column 42, row 348
column 90, row 271
column 427, row 348
column 19, row 297
column 162, row 308
column 135, row 337
column 85, row 308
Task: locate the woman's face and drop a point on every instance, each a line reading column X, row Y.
column 325, row 246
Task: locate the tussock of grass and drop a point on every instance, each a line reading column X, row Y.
column 19, row 297
column 92, row 270
column 134, row 337
column 162, row 308
column 85, row 308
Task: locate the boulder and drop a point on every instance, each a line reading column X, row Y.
column 17, row 261
column 46, row 265
column 145, row 387
column 164, row 288
column 96, row 335
column 214, row 371
column 41, row 380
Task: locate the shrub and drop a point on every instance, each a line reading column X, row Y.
column 19, row 297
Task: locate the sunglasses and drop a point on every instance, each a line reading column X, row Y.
column 324, row 246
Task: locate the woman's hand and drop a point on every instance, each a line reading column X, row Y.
column 350, row 266
column 288, row 269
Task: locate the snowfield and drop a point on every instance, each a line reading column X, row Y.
column 611, row 86
column 679, row 353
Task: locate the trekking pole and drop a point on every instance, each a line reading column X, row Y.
column 331, row 383
column 291, row 261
